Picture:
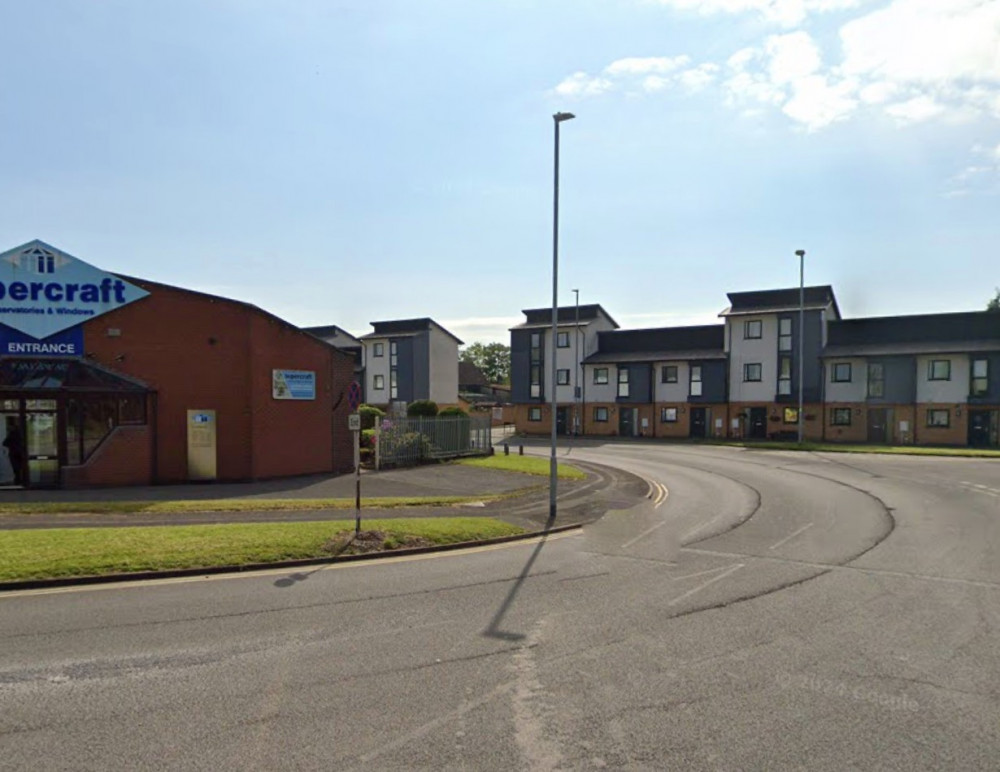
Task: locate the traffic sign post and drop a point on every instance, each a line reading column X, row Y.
column 354, row 424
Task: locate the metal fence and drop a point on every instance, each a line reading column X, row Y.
column 410, row 441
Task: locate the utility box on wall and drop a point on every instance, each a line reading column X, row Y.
column 201, row 444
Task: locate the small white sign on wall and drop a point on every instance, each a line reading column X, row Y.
column 645, row 423
column 904, row 426
column 718, row 423
column 735, row 423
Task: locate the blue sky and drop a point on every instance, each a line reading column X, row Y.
column 357, row 160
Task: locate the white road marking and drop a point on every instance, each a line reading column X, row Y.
column 699, row 529
column 700, row 587
column 790, row 537
column 698, row 573
column 645, row 533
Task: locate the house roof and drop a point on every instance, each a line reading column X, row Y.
column 660, row 344
column 780, row 300
column 470, row 375
column 654, row 356
column 334, row 335
column 565, row 315
column 923, row 333
column 398, row 328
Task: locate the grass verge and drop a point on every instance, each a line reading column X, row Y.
column 535, row 465
column 901, row 450
column 229, row 505
column 67, row 552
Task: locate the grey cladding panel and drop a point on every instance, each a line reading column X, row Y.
column 713, row 382
column 421, row 358
column 520, row 366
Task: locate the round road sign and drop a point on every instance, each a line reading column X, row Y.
column 354, row 395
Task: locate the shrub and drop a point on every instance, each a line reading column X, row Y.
column 453, row 411
column 369, row 415
column 425, row 408
column 367, row 439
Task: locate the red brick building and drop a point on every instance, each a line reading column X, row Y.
column 170, row 387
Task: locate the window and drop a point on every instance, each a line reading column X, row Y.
column 791, row 415
column 536, row 340
column 980, row 377
column 622, row 381
column 785, row 334
column 751, row 371
column 668, row 374
column 378, row 350
column 940, row 419
column 534, row 414
column 785, row 376
column 668, row 415
column 840, row 416
column 562, row 340
column 752, row 329
column 695, row 380
column 601, row 414
column 562, row 377
column 393, row 389
column 841, row 372
column 939, row 370
column 393, row 359
column 378, row 383
column 536, row 381
column 876, row 380
column 600, row 375
column 536, row 365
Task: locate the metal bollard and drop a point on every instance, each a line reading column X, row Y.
column 520, row 450
column 506, row 449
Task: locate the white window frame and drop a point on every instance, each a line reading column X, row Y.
column 695, row 381
column 746, row 372
column 562, row 377
column 601, row 376
column 751, row 325
column 378, row 383
column 668, row 415
column 623, row 382
column 534, row 414
column 600, row 415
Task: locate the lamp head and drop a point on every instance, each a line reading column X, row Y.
column 800, row 252
column 560, row 117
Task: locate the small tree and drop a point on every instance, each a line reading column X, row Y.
column 424, row 408
column 493, row 359
column 994, row 304
column 370, row 415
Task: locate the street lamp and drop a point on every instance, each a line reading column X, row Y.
column 553, row 484
column 802, row 330
column 577, row 367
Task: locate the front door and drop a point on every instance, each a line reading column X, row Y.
column 878, row 425
column 626, row 421
column 983, row 428
column 758, row 423
column 698, row 422
column 43, row 449
column 562, row 420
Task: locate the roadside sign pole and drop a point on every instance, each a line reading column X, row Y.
column 357, row 482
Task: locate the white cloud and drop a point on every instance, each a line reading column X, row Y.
column 816, row 103
column 917, row 109
column 792, row 57
column 641, row 66
column 581, row 84
column 639, row 74
column 697, row 78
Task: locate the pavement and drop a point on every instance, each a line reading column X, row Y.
column 526, row 501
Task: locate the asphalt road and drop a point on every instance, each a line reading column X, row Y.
column 775, row 611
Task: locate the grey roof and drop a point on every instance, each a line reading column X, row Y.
column 612, row 357
column 905, row 349
column 780, row 301
column 542, row 317
column 918, row 334
column 334, row 335
column 401, row 328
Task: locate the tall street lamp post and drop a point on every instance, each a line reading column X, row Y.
column 577, row 375
column 553, row 484
column 802, row 329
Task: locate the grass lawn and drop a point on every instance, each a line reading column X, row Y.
column 903, row 450
column 65, row 552
column 535, row 465
column 229, row 505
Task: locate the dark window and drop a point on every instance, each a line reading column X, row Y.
column 562, row 377
column 378, row 349
column 600, row 375
column 752, row 329
column 392, row 354
column 751, row 372
column 536, row 365
column 939, row 370
column 840, row 416
column 132, row 410
column 785, row 334
column 841, row 372
column 695, row 380
column 668, row 415
column 534, row 414
column 785, row 376
column 876, row 379
column 939, row 418
column 601, row 414
column 668, row 374
column 562, row 340
column 791, row 415
column 379, row 382
column 622, row 381
column 393, row 385
column 980, row 377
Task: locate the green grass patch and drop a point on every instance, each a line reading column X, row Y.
column 68, row 552
column 535, row 465
column 835, row 447
column 230, row 505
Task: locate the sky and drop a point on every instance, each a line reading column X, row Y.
column 349, row 161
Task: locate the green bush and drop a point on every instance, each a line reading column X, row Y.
column 367, row 439
column 453, row 411
column 369, row 415
column 424, row 408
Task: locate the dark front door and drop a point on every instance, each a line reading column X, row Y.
column 878, row 425
column 626, row 421
column 983, row 428
column 758, row 423
column 562, row 420
column 697, row 422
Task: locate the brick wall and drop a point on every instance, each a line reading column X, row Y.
column 124, row 458
column 957, row 433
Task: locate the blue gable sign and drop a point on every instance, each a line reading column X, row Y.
column 44, row 291
column 68, row 343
